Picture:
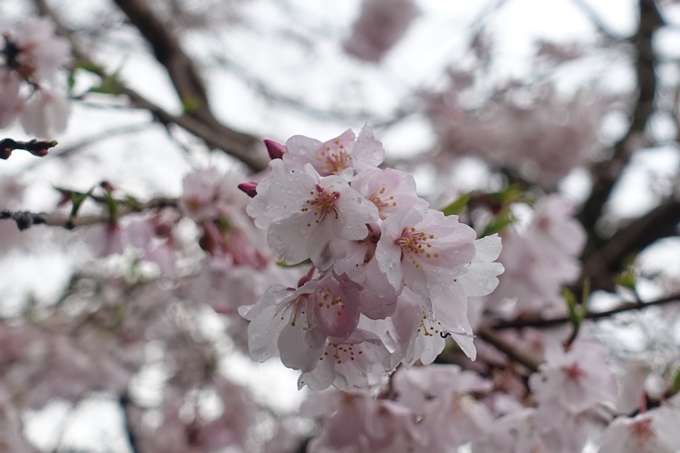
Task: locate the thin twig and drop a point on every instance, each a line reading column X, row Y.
column 239, row 145
column 629, row 306
column 597, row 20
column 36, row 147
column 26, row 219
column 487, row 334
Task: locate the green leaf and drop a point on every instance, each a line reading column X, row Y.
column 225, row 224
column 87, row 66
column 191, row 103
column 459, row 206
column 108, row 85
column 511, row 194
column 112, row 205
column 627, row 279
column 675, row 385
column 77, row 198
column 133, row 203
column 574, row 314
column 282, row 263
column 503, row 220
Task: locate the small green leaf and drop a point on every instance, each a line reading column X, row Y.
column 87, row 66
column 511, row 194
column 627, row 279
column 282, row 263
column 503, row 220
column 77, row 200
column 112, row 205
column 675, row 385
column 574, row 314
column 133, row 203
column 108, row 85
column 459, row 206
column 225, row 224
column 191, row 103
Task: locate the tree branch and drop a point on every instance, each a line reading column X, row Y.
column 181, row 68
column 659, row 223
column 629, row 306
column 605, row 174
column 26, row 219
column 487, row 334
column 36, row 147
column 239, row 145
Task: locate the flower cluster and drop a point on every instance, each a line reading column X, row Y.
column 32, row 56
column 389, row 277
column 540, row 261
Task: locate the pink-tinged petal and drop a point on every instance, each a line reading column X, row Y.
column 428, row 249
column 340, row 156
column 389, row 189
column 336, row 307
column 45, row 114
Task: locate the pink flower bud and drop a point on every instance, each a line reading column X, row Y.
column 250, row 188
column 275, row 149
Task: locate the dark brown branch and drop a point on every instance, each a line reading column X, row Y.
column 605, row 174
column 239, row 145
column 36, row 147
column 181, row 69
column 629, row 306
column 659, row 223
column 487, row 334
column 125, row 404
column 26, row 219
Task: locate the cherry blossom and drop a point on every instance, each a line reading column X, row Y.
column 313, row 214
column 379, row 27
column 574, row 380
column 39, row 52
column 341, row 156
column 655, row 431
column 424, row 249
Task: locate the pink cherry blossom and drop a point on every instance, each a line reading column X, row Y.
column 45, row 114
column 379, row 27
column 312, row 215
column 10, row 100
column 41, row 52
column 438, row 394
column 389, row 189
column 574, row 380
column 655, row 431
column 341, row 156
column 199, row 199
column 424, row 249
column 363, row 424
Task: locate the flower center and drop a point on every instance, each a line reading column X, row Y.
column 336, row 159
column 322, row 204
column 416, row 243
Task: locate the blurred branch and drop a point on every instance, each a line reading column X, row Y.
column 552, row 322
column 64, row 151
column 125, row 403
column 26, row 219
column 182, row 70
column 659, row 223
column 487, row 334
column 239, row 145
column 596, row 19
column 605, row 174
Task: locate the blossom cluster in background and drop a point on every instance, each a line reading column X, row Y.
column 32, row 56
